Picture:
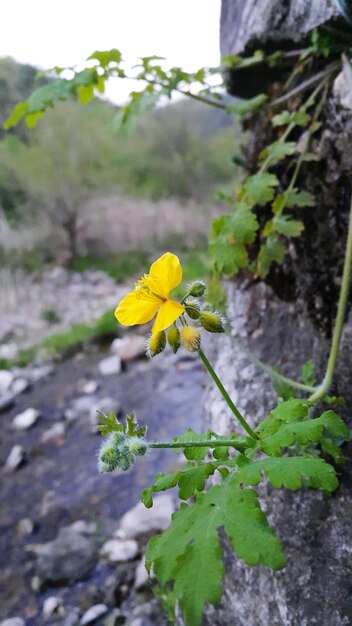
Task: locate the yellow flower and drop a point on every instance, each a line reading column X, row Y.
column 151, row 296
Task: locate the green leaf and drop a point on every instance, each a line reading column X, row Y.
column 286, row 226
column 299, row 198
column 189, row 554
column 292, row 410
column 260, row 187
column 290, row 472
column 106, row 57
column 300, row 118
column 241, row 223
column 133, row 429
column 242, row 107
column 194, row 453
column 307, row 373
column 271, row 251
column 16, row 115
column 109, row 424
column 193, row 479
column 278, row 151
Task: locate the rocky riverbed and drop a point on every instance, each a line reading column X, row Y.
column 72, row 541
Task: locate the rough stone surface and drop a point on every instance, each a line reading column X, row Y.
column 109, row 366
column 141, row 575
column 316, row 531
column 139, row 520
column 52, row 606
column 6, row 380
column 117, row 551
column 68, row 558
column 26, row 419
column 13, row 621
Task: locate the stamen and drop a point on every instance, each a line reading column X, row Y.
column 149, row 288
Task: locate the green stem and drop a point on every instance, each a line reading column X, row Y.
column 198, row 444
column 340, row 317
column 226, row 396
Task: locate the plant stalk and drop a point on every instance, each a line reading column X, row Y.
column 226, row 396
column 216, row 443
column 340, row 317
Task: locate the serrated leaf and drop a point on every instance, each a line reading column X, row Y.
column 290, row 472
column 16, row 115
column 109, row 424
column 271, row 251
column 194, row 453
column 133, row 429
column 307, row 373
column 242, row 224
column 278, row 151
column 292, row 410
column 228, row 257
column 284, row 225
column 105, row 57
column 260, row 187
column 241, row 107
column 189, row 554
column 299, row 198
column 190, row 480
column 300, row 118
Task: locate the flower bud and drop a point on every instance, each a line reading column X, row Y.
column 156, row 343
column 174, row 338
column 193, row 310
column 212, row 322
column 190, row 338
column 137, row 446
column 120, row 450
column 197, row 289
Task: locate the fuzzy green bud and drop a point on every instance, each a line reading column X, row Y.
column 120, row 450
column 174, row 338
column 193, row 310
column 190, row 338
column 197, row 289
column 137, row 446
column 156, row 343
column 212, row 322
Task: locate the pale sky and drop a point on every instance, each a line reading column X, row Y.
column 45, row 33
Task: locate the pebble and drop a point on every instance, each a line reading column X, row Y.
column 56, row 431
column 139, row 520
column 6, row 380
column 83, row 404
column 19, row 385
column 90, row 387
column 25, row 420
column 141, row 575
column 15, row 459
column 83, row 528
column 25, row 526
column 117, row 551
column 8, row 351
column 52, row 606
column 110, row 365
column 13, row 621
column 6, row 401
column 129, row 348
column 96, row 611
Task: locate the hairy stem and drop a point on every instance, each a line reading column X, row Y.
column 340, row 317
column 216, row 443
column 226, row 396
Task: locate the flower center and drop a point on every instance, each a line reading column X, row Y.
column 149, row 288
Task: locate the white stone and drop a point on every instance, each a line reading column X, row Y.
column 139, row 520
column 15, row 458
column 110, row 365
column 6, row 380
column 8, row 351
column 129, row 348
column 25, row 526
column 52, row 606
column 56, row 431
column 90, row 387
column 83, row 528
column 25, row 420
column 19, row 385
column 141, row 576
column 117, row 551
column 98, row 610
column 13, row 621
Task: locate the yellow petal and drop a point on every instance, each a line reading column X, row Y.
column 134, row 310
column 169, row 272
column 168, row 313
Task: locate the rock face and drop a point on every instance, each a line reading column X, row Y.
column 315, row 531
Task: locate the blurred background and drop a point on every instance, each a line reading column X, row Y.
column 84, row 210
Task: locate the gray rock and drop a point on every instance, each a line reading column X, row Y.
column 110, row 365
column 6, row 380
column 52, row 606
column 57, row 431
column 129, row 348
column 8, row 351
column 6, row 402
column 25, row 526
column 41, row 372
column 19, row 385
column 90, row 387
column 83, row 528
column 72, row 619
column 96, row 611
column 13, row 621
column 15, row 459
column 70, row 557
column 117, row 551
column 27, row 419
column 83, row 405
column 141, row 575
column 139, row 520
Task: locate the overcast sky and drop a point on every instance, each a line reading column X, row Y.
column 47, row 33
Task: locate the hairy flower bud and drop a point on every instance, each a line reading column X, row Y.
column 119, row 450
column 190, row 338
column 156, row 343
column 197, row 289
column 193, row 310
column 174, row 338
column 212, row 322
